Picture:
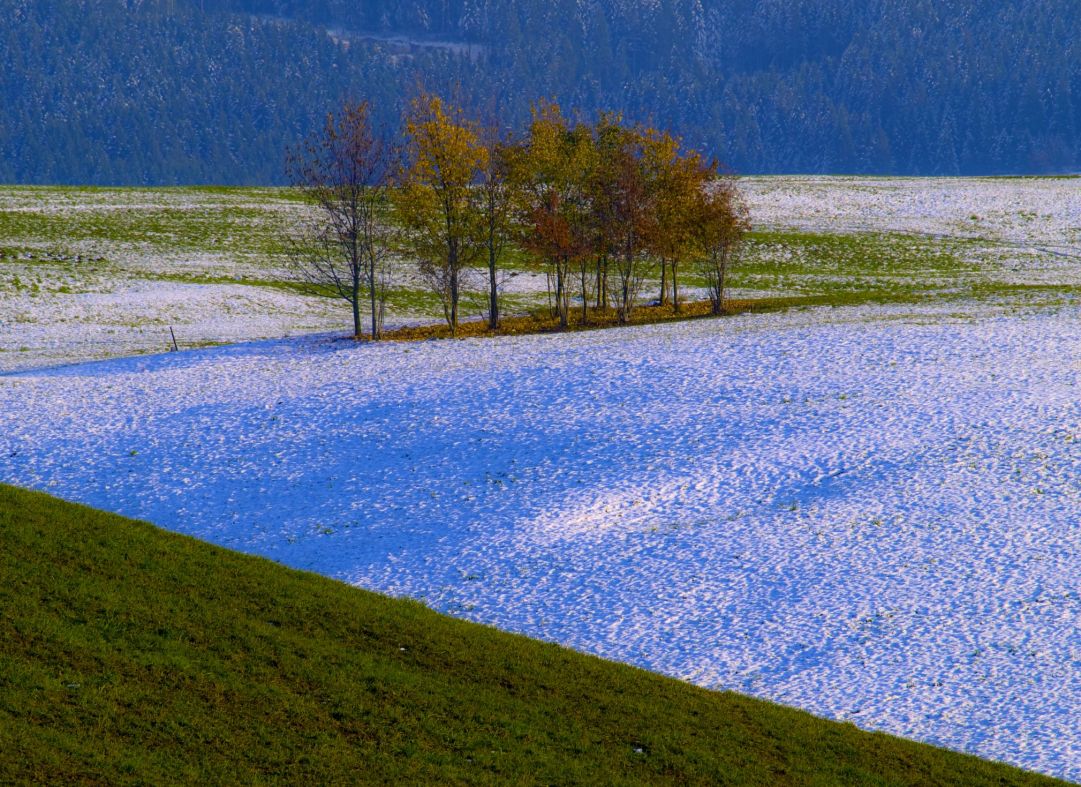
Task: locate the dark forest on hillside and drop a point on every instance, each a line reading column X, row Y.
column 185, row 91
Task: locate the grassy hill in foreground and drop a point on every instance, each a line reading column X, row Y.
column 129, row 654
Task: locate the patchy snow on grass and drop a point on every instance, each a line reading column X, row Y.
column 1015, row 230
column 95, row 273
column 130, row 319
column 87, row 274
column 1043, row 211
column 875, row 520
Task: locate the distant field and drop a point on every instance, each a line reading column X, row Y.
column 95, row 273
column 131, row 655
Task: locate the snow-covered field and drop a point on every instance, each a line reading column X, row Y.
column 1026, row 211
column 1014, row 230
column 869, row 513
column 98, row 273
column 134, row 318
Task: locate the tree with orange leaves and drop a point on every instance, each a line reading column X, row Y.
column 719, row 222
column 552, row 176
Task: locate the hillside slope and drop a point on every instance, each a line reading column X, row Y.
column 216, row 89
column 131, row 654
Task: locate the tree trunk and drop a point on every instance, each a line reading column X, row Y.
column 585, row 294
column 626, row 275
column 675, row 289
column 720, row 282
column 357, row 330
column 716, row 286
column 598, row 283
column 373, row 297
column 493, row 290
column 454, row 302
column 664, row 283
column 568, row 283
column 561, row 294
column 452, row 260
column 604, row 284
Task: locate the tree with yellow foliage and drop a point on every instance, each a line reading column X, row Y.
column 677, row 181
column 435, row 198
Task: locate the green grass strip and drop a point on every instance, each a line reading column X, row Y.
column 132, row 655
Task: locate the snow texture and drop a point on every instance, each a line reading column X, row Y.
column 1024, row 211
column 872, row 514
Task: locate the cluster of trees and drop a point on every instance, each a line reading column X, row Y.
column 599, row 206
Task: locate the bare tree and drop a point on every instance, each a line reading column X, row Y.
column 345, row 171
